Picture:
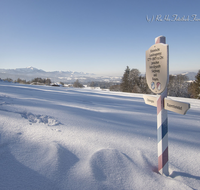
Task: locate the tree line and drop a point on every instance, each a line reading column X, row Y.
column 194, row 88
column 33, row 81
column 133, row 82
column 41, row 81
column 178, row 86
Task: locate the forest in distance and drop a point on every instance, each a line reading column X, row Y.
column 133, row 82
column 178, row 86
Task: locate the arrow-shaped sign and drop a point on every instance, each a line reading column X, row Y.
column 175, row 106
column 151, row 100
column 170, row 105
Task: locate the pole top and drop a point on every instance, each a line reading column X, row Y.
column 160, row 39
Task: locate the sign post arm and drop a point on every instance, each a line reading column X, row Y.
column 175, row 106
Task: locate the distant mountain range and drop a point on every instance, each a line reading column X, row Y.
column 30, row 73
column 190, row 75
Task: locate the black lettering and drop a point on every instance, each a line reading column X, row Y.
column 153, row 50
column 154, row 79
column 174, row 106
column 150, row 100
column 155, row 62
column 155, row 71
column 155, row 54
column 154, row 67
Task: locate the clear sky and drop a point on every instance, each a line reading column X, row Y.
column 97, row 36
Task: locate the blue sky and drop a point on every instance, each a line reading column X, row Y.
column 96, row 36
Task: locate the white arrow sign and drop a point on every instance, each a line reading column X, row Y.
column 175, row 106
column 151, row 100
column 170, row 105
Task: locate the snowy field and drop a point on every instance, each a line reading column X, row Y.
column 80, row 139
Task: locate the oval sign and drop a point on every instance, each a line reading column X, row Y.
column 157, row 67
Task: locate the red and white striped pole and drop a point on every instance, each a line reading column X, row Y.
column 162, row 127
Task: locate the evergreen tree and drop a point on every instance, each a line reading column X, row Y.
column 8, row 79
column 47, row 81
column 134, row 81
column 41, row 81
column 77, row 84
column 92, row 84
column 125, row 81
column 143, row 86
column 115, row 87
column 21, row 81
column 194, row 87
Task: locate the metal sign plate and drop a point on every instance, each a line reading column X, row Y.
column 157, row 67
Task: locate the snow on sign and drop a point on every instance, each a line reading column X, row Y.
column 157, row 67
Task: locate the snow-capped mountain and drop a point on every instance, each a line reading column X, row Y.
column 30, row 70
column 30, row 73
column 21, row 70
column 190, row 75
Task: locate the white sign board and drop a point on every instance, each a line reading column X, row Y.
column 157, row 67
column 178, row 107
column 150, row 100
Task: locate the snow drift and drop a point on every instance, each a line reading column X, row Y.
column 65, row 138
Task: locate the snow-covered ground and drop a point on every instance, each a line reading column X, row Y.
column 83, row 139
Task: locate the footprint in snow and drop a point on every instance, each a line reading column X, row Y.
column 45, row 119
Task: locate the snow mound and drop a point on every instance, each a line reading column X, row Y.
column 106, row 164
column 113, row 169
column 45, row 119
column 28, row 168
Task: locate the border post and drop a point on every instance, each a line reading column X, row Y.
column 157, row 75
column 162, row 126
